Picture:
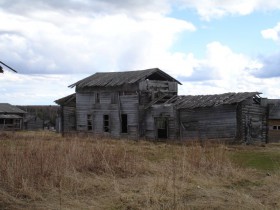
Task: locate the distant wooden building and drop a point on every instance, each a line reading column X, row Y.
column 11, row 117
column 145, row 104
column 273, row 106
column 33, row 122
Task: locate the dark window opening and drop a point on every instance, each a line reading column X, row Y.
column 97, row 98
column 276, row 127
column 106, row 123
column 89, row 122
column 124, row 123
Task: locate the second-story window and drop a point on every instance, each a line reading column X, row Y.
column 114, row 98
column 97, row 98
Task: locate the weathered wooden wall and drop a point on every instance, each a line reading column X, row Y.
column 208, row 123
column 69, row 118
column 274, row 130
column 252, row 123
column 128, row 100
column 113, row 106
column 160, row 111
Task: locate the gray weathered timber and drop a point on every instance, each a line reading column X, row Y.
column 67, row 120
column 11, row 117
column 208, row 122
column 145, row 104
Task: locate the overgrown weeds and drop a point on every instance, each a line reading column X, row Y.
column 42, row 170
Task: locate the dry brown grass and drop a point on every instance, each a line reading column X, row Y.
column 45, row 171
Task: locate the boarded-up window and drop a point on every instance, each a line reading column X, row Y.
column 106, row 123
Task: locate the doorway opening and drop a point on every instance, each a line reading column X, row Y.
column 124, row 123
column 162, row 127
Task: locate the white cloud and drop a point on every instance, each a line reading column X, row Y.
column 209, row 9
column 270, row 66
column 22, row 89
column 223, row 70
column 272, row 33
column 52, row 42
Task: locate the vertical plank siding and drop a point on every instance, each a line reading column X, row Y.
column 84, row 103
column 69, row 118
column 124, row 104
column 129, row 104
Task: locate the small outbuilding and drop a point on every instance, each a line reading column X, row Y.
column 273, row 106
column 11, row 117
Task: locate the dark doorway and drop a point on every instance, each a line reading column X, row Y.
column 106, row 123
column 162, row 128
column 124, row 123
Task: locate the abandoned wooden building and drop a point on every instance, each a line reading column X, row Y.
column 145, row 104
column 33, row 122
column 273, row 106
column 11, row 117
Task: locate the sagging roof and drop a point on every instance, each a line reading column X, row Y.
column 197, row 101
column 66, row 100
column 8, row 108
column 112, row 79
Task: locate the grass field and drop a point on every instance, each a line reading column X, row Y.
column 42, row 170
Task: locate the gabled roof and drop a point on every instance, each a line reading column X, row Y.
column 197, row 101
column 112, row 79
column 8, row 108
column 67, row 99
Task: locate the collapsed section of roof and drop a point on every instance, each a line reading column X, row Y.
column 196, row 101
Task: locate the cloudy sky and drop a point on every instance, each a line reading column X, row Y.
column 211, row 46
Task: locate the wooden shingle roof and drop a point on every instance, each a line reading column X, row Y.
column 197, row 101
column 8, row 108
column 112, row 79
